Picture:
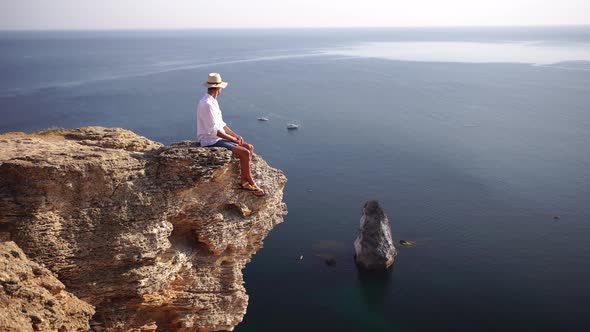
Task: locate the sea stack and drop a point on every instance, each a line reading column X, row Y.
column 373, row 246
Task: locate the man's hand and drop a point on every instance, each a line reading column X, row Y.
column 245, row 144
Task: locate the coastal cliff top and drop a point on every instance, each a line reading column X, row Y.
column 113, row 138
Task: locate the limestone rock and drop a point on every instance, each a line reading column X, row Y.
column 374, row 249
column 32, row 299
column 153, row 236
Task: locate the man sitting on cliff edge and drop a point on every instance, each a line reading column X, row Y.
column 213, row 132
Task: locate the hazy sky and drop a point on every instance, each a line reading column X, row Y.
column 171, row 14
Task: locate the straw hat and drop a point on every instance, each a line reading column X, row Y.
column 214, row 81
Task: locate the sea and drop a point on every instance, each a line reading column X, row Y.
column 475, row 141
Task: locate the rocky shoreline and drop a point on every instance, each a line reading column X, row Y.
column 151, row 236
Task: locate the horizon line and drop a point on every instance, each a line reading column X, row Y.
column 293, row 28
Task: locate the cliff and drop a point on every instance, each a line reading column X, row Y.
column 152, row 236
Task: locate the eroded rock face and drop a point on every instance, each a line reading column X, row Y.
column 153, row 236
column 373, row 246
column 32, row 299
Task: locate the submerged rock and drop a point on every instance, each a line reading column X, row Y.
column 407, row 243
column 374, row 249
column 329, row 260
column 152, row 236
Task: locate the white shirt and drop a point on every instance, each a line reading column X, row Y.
column 209, row 120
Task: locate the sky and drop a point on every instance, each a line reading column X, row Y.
column 183, row 14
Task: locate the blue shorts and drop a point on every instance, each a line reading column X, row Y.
column 223, row 143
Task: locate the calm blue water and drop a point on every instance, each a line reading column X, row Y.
column 471, row 158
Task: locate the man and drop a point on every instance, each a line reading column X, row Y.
column 213, row 132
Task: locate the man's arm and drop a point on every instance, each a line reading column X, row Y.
column 226, row 136
column 238, row 138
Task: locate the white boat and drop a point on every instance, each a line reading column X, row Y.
column 292, row 126
column 262, row 119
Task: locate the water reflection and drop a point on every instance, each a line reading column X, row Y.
column 374, row 287
column 475, row 52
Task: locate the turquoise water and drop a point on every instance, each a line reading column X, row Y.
column 472, row 154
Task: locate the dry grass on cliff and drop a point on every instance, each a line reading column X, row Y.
column 50, row 131
column 53, row 131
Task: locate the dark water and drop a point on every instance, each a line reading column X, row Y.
column 470, row 160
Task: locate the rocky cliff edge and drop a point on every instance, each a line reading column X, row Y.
column 152, row 236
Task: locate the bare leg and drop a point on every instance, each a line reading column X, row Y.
column 244, row 154
column 250, row 148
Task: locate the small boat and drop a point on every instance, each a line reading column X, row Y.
column 292, row 126
column 262, row 119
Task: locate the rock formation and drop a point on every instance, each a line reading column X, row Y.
column 373, row 246
column 32, row 299
column 152, row 236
